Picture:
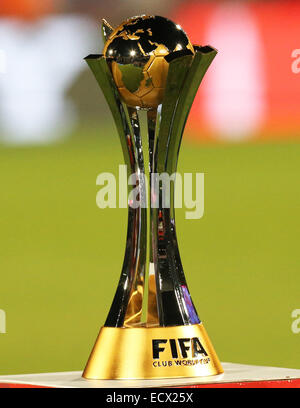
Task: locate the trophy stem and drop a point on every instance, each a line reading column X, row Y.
column 152, row 310
column 152, row 288
column 135, row 305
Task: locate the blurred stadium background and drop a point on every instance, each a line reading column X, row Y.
column 60, row 255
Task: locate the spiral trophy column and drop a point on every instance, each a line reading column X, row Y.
column 152, row 329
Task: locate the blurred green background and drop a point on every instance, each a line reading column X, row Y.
column 61, row 256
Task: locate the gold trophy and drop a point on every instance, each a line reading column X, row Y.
column 152, row 329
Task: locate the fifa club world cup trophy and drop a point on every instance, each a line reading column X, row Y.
column 152, row 329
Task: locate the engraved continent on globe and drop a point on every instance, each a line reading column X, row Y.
column 137, row 51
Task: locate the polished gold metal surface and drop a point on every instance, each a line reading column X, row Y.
column 138, row 48
column 152, row 312
column 152, row 352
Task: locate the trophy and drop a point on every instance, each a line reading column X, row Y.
column 152, row 329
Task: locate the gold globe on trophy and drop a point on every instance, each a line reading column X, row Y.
column 138, row 49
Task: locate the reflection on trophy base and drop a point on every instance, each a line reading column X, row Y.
column 152, row 352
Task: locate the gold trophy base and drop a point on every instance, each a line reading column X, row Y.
column 152, row 353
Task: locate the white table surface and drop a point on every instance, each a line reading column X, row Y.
column 232, row 373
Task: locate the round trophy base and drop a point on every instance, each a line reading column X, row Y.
column 146, row 352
